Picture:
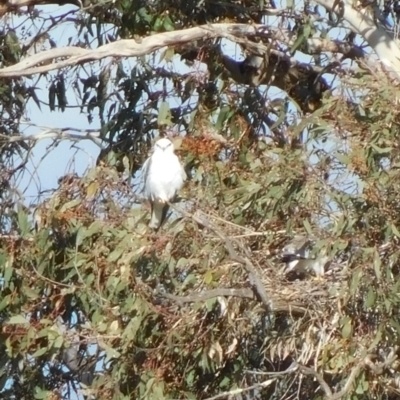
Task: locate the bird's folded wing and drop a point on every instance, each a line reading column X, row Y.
column 145, row 172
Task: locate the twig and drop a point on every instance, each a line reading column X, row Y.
column 292, row 368
column 279, row 306
column 235, row 392
column 209, row 294
column 325, row 387
column 51, row 281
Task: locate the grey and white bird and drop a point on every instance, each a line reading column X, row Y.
column 297, row 255
column 164, row 176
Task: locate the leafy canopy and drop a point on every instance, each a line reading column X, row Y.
column 94, row 305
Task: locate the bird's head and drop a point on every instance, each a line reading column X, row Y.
column 164, row 145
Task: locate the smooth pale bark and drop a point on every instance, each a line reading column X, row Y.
column 361, row 21
column 365, row 23
column 14, row 5
column 23, row 3
column 46, row 61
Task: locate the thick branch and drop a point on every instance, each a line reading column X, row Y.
column 329, row 395
column 317, row 45
column 45, row 61
column 363, row 22
column 122, row 48
column 14, row 5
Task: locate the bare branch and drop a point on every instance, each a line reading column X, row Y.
column 56, row 134
column 377, row 369
column 122, row 48
column 292, row 368
column 254, row 279
column 315, row 45
column 209, row 294
column 279, row 305
column 366, row 23
column 309, row 371
column 235, row 392
column 45, row 61
column 24, row 3
column 14, row 5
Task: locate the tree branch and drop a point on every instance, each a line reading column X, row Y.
column 367, row 361
column 56, row 134
column 122, row 48
column 377, row 369
column 209, row 294
column 13, row 5
column 364, row 22
column 254, row 279
column 235, row 392
column 279, row 305
column 45, row 61
column 314, row 45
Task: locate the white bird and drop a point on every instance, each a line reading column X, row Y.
column 163, row 177
column 297, row 255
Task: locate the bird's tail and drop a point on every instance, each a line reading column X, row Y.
column 158, row 213
column 289, row 257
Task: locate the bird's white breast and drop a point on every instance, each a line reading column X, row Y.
column 165, row 177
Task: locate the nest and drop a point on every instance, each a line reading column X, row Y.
column 302, row 295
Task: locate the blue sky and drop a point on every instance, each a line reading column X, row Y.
column 48, row 164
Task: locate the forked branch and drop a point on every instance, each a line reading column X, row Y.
column 254, row 279
column 376, row 368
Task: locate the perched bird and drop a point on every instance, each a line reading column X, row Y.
column 297, row 255
column 163, row 177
